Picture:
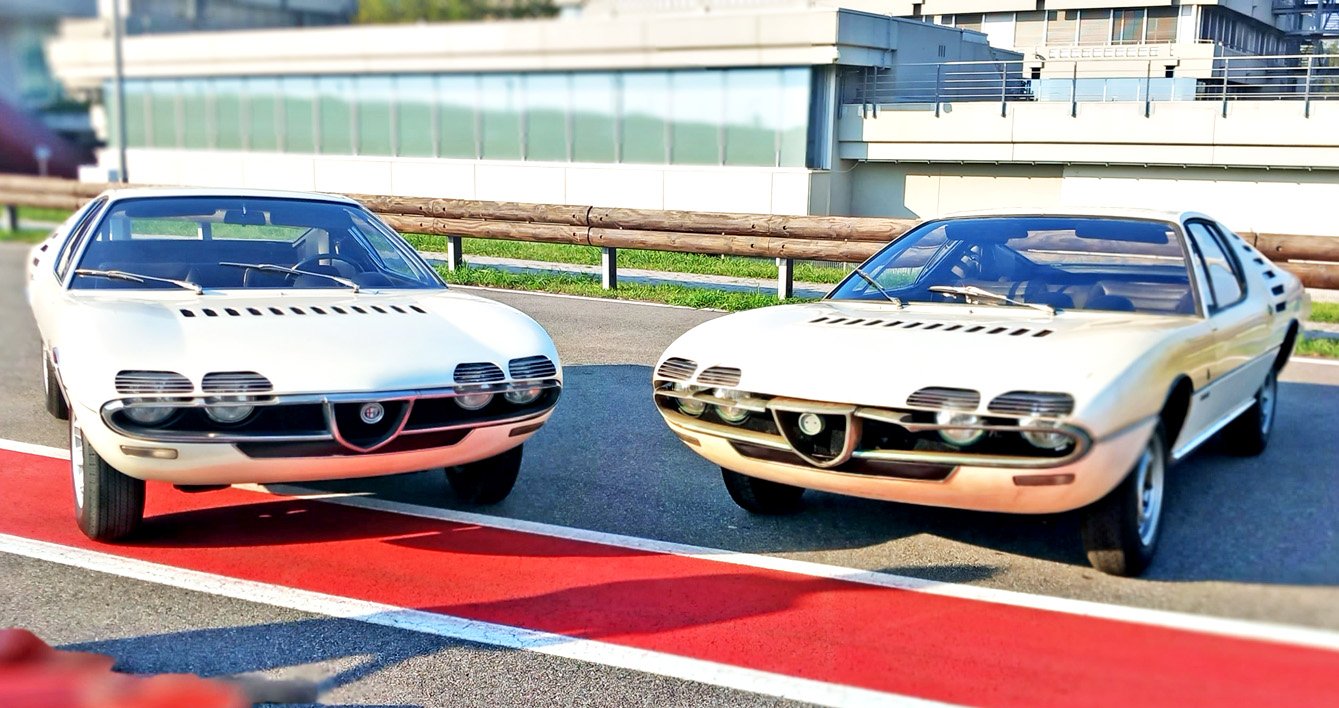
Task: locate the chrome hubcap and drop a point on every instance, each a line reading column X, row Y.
column 77, row 462
column 1268, row 394
column 1148, row 481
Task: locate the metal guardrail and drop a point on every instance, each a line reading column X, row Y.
column 1303, row 78
column 848, row 239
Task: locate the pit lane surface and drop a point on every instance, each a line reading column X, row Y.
column 1244, row 538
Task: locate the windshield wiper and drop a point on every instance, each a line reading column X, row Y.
column 971, row 292
column 891, row 298
column 137, row 278
column 270, row 268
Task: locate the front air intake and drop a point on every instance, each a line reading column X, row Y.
column 677, row 369
column 478, row 372
column 720, row 376
column 152, row 382
column 939, row 398
column 235, row 382
column 1030, row 403
column 531, row 367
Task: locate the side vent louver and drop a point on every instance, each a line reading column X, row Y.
column 152, row 382
column 235, row 382
column 478, row 372
column 532, row 367
column 935, row 397
column 677, row 369
column 720, row 376
column 1025, row 403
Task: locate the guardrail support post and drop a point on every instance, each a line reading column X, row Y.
column 609, row 268
column 1074, row 92
column 9, row 218
column 785, row 278
column 455, row 256
column 1227, row 65
column 1306, row 104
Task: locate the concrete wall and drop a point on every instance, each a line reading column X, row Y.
column 1270, row 201
column 740, row 189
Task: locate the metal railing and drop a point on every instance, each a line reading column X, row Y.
column 1303, row 78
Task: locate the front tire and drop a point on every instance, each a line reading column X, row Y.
column 1120, row 531
column 55, row 397
column 1248, row 435
column 108, row 505
column 762, row 496
column 487, row 481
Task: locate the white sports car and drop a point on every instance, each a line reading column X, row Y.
column 214, row 337
column 1011, row 362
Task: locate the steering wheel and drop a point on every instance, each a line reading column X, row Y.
column 315, row 260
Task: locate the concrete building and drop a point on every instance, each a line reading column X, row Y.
column 810, row 110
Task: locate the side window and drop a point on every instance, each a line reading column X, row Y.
column 391, row 257
column 77, row 235
column 1225, row 280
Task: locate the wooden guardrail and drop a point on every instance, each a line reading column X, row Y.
column 1315, row 259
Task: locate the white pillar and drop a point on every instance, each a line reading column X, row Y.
column 609, row 268
column 454, row 257
column 785, row 278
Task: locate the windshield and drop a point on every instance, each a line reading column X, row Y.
column 231, row 243
column 1124, row 265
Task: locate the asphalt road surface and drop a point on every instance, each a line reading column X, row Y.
column 1252, row 539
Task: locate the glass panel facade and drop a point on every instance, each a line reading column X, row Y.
column 1029, row 29
column 414, row 122
column 645, row 111
column 1094, row 26
column 1161, row 24
column 1127, row 27
column 335, row 94
column 747, row 116
column 227, row 109
column 697, row 111
column 375, row 96
column 1062, row 26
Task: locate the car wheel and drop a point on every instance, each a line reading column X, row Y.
column 55, row 398
column 1120, row 531
column 1248, row 435
column 762, row 496
column 486, row 481
column 108, row 505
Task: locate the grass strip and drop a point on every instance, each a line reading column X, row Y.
column 1325, row 312
column 1318, row 346
column 667, row 261
column 24, row 235
column 589, row 286
column 54, row 216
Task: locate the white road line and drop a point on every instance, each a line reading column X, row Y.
column 1241, row 629
column 538, row 293
column 31, row 449
column 1315, row 360
column 595, row 652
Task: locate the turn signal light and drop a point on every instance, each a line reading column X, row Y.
column 1042, row 480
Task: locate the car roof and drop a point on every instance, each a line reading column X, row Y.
column 1082, row 211
column 142, row 192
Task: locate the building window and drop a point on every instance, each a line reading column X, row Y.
column 1094, row 26
column 1030, row 29
column 1127, row 27
column 968, row 22
column 1161, row 24
column 1062, row 27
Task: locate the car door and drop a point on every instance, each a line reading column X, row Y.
column 1240, row 324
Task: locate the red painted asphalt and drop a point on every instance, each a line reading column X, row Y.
column 948, row 649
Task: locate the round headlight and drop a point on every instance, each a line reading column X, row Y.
column 149, row 415
column 229, row 415
column 731, row 414
column 1048, row 441
column 522, row 396
column 961, row 437
column 688, row 406
column 811, row 424
column 474, row 401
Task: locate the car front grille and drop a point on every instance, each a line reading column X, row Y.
column 938, row 398
column 152, row 382
column 1032, row 403
column 720, row 376
column 531, row 367
column 478, row 372
column 235, row 382
column 677, row 369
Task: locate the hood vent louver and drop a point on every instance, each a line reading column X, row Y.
column 1026, row 403
column 276, row 311
column 677, row 369
column 939, row 398
column 720, row 376
column 927, row 326
column 152, row 382
column 235, row 382
column 478, row 372
column 531, row 367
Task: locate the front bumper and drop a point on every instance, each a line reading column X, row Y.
column 327, row 446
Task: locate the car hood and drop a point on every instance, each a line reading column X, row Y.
column 877, row 355
column 399, row 340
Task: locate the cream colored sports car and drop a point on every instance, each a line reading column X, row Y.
column 1010, row 362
